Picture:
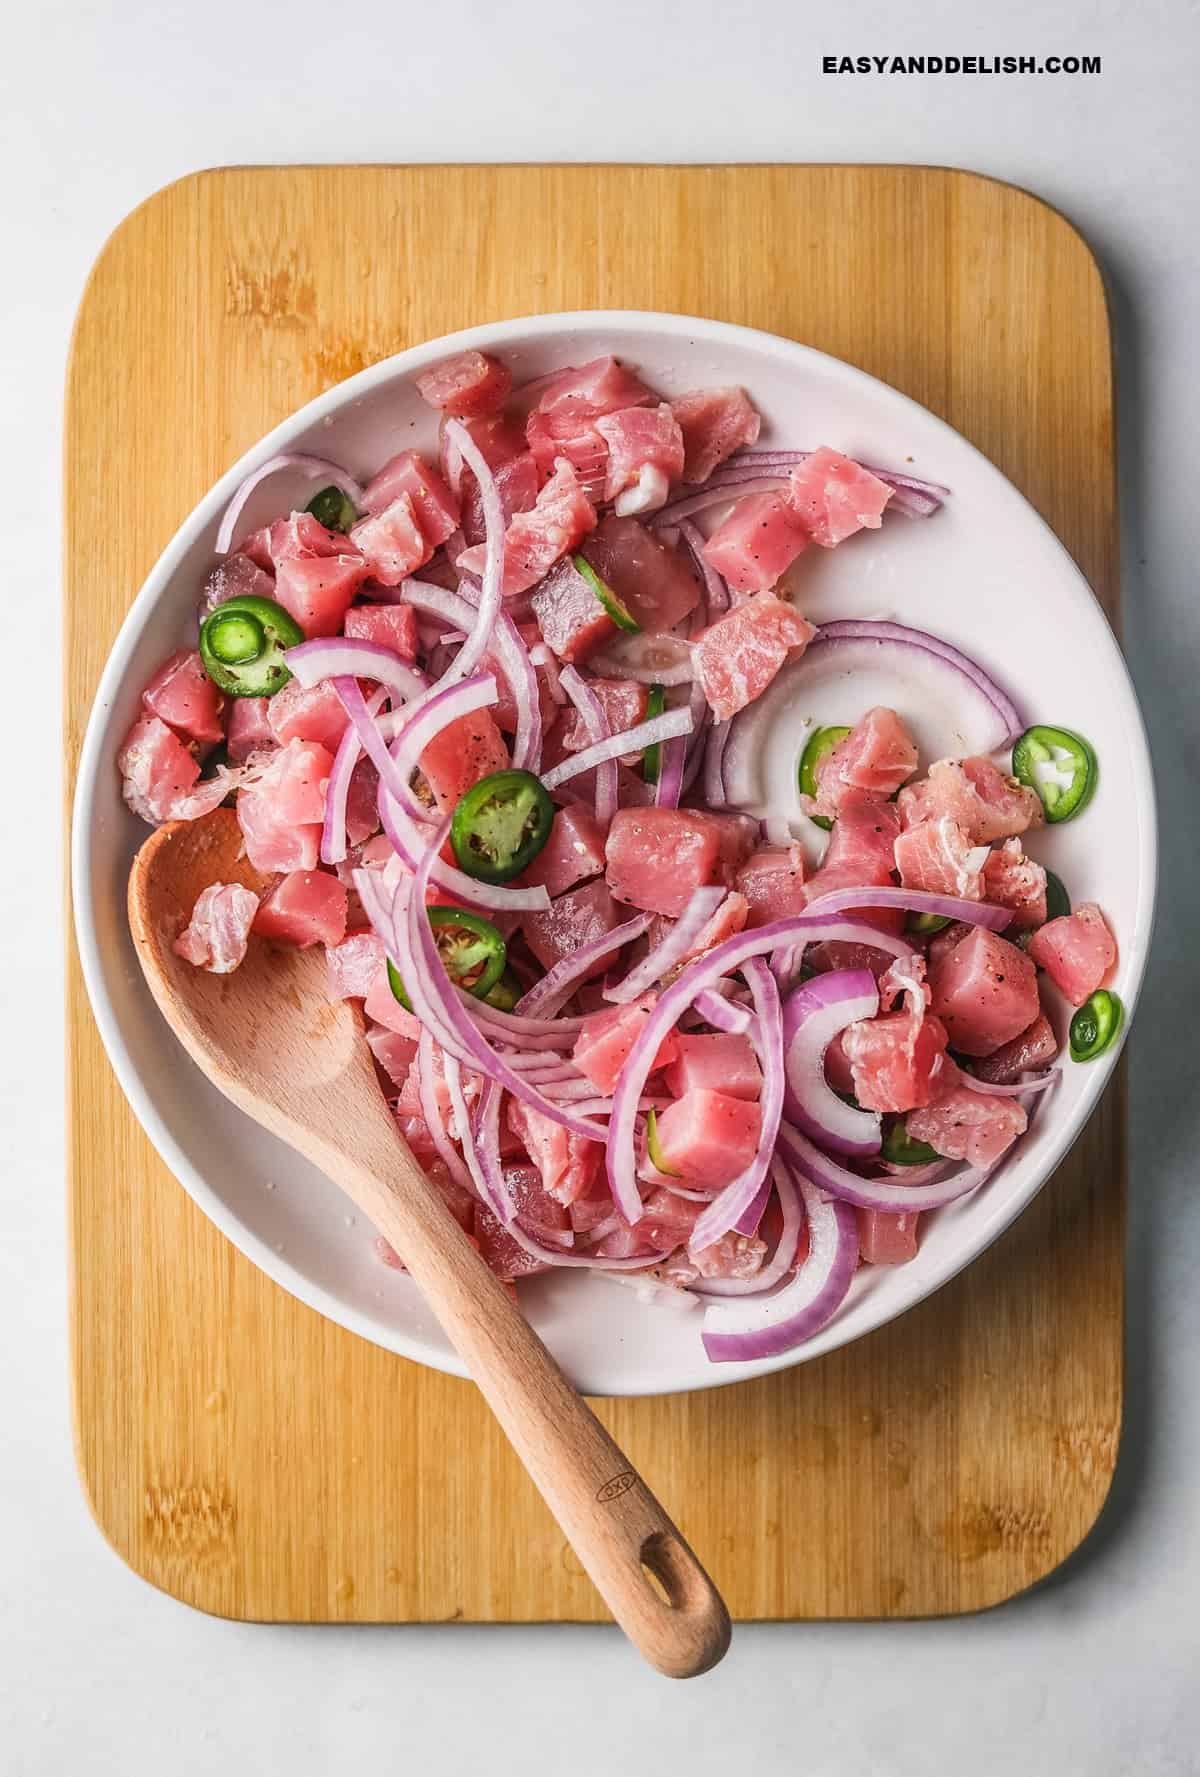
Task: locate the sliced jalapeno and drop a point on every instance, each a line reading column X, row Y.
column 1058, row 901
column 1060, row 766
column 506, row 992
column 616, row 607
column 656, row 703
column 901, row 1150
column 928, row 923
column 1096, row 1025
column 819, row 745
column 501, row 825
column 471, row 948
column 654, row 1152
column 242, row 644
column 334, row 509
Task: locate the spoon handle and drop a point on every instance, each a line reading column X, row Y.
column 618, row 1529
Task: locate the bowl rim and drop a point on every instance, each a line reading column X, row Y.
column 494, row 336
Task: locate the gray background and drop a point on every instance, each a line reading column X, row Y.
column 1097, row 1671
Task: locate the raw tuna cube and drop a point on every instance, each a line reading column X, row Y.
column 723, row 1062
column 975, row 793
column 878, row 755
column 760, row 539
column 653, row 582
column 708, row 1138
column 182, row 695
column 624, row 704
column 288, row 538
column 281, row 815
column 938, row 858
column 860, row 855
column 772, row 881
column 463, row 752
column 384, row 1008
column 315, row 713
column 234, row 578
column 217, row 935
column 730, row 918
column 569, row 1164
column 353, row 965
column 657, row 857
column 714, row 423
column 645, row 455
column 602, row 385
column 317, row 572
column 1010, row 879
column 362, row 802
column 572, row 621
column 734, row 1255
column 835, row 497
column 305, row 907
column 500, row 1251
column 570, row 922
column 517, row 488
column 943, row 942
column 469, row 384
column 887, row 1236
column 157, row 770
column 737, row 657
column 434, row 506
column 543, row 1215
column 249, row 729
column 985, row 992
column 973, row 1126
column 603, row 1045
column 391, row 626
column 573, row 853
column 1077, row 952
column 392, row 543
column 497, row 439
column 558, row 522
column 894, row 1059
column 394, row 1053
column 1033, row 1050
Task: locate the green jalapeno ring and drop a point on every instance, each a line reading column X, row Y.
column 1043, row 756
column 656, row 703
column 654, row 1151
column 501, row 825
column 925, row 924
column 242, row 643
column 1096, row 1026
column 506, row 992
column 900, row 1149
column 819, row 745
column 1058, row 901
column 476, row 963
column 614, row 607
column 334, row 509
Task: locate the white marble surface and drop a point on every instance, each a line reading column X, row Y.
column 1097, row 1672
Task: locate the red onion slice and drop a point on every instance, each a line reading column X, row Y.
column 975, row 913
column 780, row 1262
column 596, row 725
column 858, row 642
column 659, row 728
column 512, row 657
column 863, row 1193
column 813, row 1015
column 437, row 710
column 715, row 493
column 764, row 1326
column 333, row 831
column 311, row 466
column 343, row 657
column 432, row 1112
column 701, row 907
column 704, row 972
column 721, row 1013
column 458, row 439
column 716, row 592
column 411, row 840
column 738, row 1205
column 1031, row 1083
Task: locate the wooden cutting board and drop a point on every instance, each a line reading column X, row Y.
column 255, row 1460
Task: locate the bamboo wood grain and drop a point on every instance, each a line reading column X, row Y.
column 268, row 1037
column 259, row 1462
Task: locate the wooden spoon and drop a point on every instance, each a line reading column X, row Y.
column 269, row 1038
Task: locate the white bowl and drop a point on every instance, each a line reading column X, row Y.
column 986, row 573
